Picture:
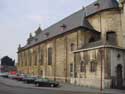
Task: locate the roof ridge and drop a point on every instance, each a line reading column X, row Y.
column 63, row 19
column 75, row 20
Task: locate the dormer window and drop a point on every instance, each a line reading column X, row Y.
column 63, row 27
column 47, row 34
column 36, row 39
column 97, row 4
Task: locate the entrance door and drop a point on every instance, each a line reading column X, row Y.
column 119, row 76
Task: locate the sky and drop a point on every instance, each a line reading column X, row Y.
column 18, row 18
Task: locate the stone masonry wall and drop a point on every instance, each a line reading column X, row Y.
column 107, row 21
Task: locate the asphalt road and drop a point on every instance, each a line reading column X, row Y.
column 5, row 89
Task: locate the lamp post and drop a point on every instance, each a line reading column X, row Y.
column 101, row 69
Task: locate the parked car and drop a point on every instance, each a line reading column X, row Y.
column 29, row 79
column 20, row 77
column 46, row 82
column 12, row 76
column 4, row 74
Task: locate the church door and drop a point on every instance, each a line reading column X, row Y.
column 119, row 76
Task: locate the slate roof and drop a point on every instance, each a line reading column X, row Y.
column 73, row 21
column 103, row 5
column 97, row 43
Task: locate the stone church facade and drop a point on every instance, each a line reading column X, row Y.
column 86, row 48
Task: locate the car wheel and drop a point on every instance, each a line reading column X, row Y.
column 52, row 85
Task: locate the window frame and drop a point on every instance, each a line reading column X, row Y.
column 82, row 66
column 50, row 56
column 93, row 66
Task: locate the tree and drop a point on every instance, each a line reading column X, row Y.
column 7, row 61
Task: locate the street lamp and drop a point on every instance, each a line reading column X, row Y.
column 102, row 53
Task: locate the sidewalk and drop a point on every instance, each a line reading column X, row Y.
column 64, row 87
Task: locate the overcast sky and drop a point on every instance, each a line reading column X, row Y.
column 20, row 17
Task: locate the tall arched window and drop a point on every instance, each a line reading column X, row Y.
column 49, row 56
column 41, row 56
column 72, row 46
column 35, row 57
column 82, row 66
column 71, row 67
column 93, row 66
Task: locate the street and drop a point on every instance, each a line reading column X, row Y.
column 9, row 86
column 5, row 89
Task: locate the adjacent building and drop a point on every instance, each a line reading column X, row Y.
column 7, row 64
column 86, row 48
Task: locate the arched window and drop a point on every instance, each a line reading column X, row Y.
column 50, row 56
column 82, row 66
column 35, row 57
column 41, row 56
column 71, row 67
column 93, row 66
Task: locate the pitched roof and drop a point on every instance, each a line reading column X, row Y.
column 100, row 5
column 73, row 21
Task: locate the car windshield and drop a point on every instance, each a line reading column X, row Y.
column 42, row 79
column 45, row 80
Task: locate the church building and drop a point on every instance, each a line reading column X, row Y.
column 86, row 48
